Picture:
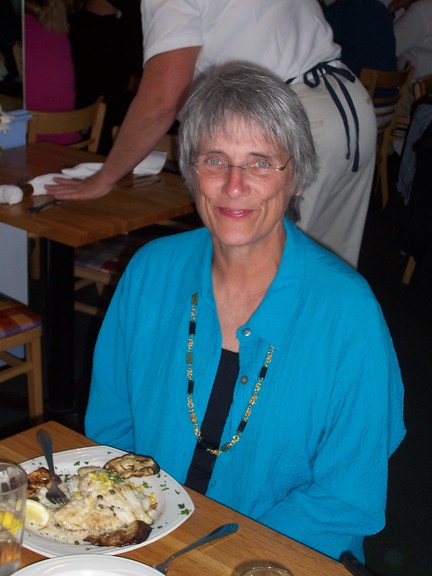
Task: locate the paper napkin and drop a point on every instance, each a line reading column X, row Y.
column 40, row 182
column 152, row 164
column 83, row 170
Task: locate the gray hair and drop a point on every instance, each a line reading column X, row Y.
column 241, row 91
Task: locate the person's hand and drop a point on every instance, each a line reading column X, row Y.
column 73, row 189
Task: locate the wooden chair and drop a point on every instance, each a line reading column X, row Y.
column 422, row 87
column 21, row 326
column 88, row 121
column 395, row 85
column 101, row 264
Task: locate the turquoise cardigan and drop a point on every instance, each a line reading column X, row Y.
column 312, row 461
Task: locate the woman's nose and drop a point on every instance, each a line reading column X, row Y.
column 236, row 180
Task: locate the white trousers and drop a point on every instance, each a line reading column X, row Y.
column 333, row 210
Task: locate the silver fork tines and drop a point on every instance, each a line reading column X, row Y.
column 54, row 494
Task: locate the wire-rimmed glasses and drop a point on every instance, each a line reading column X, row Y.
column 214, row 165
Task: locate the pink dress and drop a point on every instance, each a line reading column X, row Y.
column 49, row 74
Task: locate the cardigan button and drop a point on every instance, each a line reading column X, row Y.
column 247, row 332
column 244, row 380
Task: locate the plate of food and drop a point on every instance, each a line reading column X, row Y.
column 117, row 502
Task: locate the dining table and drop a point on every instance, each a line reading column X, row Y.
column 253, row 543
column 134, row 203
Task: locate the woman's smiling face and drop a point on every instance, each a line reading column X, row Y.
column 240, row 208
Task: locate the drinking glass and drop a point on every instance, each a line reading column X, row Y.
column 13, row 487
column 266, row 570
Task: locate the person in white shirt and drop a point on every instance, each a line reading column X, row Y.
column 413, row 33
column 183, row 39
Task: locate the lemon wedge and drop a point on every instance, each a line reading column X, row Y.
column 9, row 522
column 36, row 513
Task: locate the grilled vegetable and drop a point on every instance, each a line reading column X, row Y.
column 131, row 465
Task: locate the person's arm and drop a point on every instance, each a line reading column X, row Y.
column 347, row 498
column 410, row 30
column 163, row 89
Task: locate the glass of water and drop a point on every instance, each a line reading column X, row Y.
column 266, row 570
column 13, row 488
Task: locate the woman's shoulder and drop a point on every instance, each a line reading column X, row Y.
column 319, row 266
column 333, row 282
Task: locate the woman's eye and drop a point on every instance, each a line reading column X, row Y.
column 261, row 164
column 213, row 161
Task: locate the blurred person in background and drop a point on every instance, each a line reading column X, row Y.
column 364, row 31
column 106, row 38
column 10, row 35
column 413, row 32
column 49, row 69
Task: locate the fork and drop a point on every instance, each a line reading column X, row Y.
column 224, row 530
column 54, row 494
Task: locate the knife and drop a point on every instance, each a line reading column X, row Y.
column 38, row 207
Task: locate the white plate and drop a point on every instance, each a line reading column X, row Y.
column 88, row 565
column 174, row 502
column 83, row 170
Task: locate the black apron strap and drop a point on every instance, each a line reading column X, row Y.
column 312, row 78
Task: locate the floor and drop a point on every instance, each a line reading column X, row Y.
column 404, row 547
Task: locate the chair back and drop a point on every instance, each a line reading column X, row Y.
column 88, row 120
column 422, row 86
column 387, row 90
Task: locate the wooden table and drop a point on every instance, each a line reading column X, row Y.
column 73, row 224
column 227, row 557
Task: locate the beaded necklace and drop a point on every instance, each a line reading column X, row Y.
column 191, row 384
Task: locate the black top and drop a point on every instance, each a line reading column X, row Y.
column 219, row 404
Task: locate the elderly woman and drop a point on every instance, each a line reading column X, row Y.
column 252, row 364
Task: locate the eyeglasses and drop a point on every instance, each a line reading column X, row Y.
column 214, row 165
